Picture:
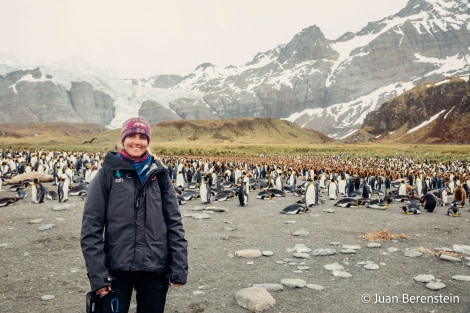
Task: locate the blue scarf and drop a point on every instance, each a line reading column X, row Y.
column 142, row 165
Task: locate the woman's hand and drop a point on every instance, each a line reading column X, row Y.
column 103, row 291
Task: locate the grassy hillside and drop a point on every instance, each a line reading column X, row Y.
column 229, row 137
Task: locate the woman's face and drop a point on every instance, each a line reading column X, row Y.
column 136, row 145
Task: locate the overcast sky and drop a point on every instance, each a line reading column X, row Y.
column 141, row 38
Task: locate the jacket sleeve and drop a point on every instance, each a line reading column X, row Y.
column 177, row 244
column 91, row 238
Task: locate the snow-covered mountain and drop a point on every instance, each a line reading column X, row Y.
column 326, row 85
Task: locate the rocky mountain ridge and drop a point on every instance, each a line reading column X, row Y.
column 327, row 85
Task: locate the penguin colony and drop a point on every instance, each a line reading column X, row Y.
column 350, row 182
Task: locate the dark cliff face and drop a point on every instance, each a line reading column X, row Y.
column 444, row 108
column 31, row 96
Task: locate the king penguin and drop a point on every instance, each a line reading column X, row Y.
column 311, row 193
column 243, row 194
column 205, row 190
column 63, row 189
column 37, row 191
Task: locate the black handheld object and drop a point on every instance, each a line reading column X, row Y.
column 92, row 302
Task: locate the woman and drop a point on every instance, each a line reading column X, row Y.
column 132, row 236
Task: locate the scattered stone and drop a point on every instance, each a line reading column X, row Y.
column 216, row 209
column 435, row 285
column 328, row 211
column 352, row 247
column 323, row 252
column 413, row 253
column 301, row 233
column 198, row 292
column 374, row 245
column 290, row 222
column 36, row 221
column 335, row 243
column 255, row 299
column 199, row 216
column 315, row 287
column 301, row 255
column 250, row 263
column 424, row 278
column 293, row 283
column 371, row 266
column 47, row 297
column 462, row 249
column 248, row 253
column 271, row 287
column 63, row 207
column 267, row 253
column 342, row 274
column 303, row 268
column 2, row 245
column 199, row 208
column 333, row 267
column 45, row 227
column 347, row 251
column 461, row 277
column 230, row 229
column 449, row 258
column 392, row 249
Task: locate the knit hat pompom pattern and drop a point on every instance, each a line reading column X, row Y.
column 135, row 125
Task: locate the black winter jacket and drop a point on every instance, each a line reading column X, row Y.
column 132, row 226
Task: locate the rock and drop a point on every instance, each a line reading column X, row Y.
column 392, row 249
column 342, row 274
column 352, row 247
column 315, row 287
column 461, row 277
column 267, row 253
column 198, row 292
column 63, row 207
column 199, row 216
column 323, row 252
column 413, row 253
column 47, row 297
column 45, row 227
column 3, row 245
column 301, row 233
column 328, row 211
column 270, row 286
column 293, row 283
column 449, row 258
column 333, row 267
column 255, row 299
column 302, row 255
column 374, row 245
column 424, row 278
column 435, row 285
column 248, row 253
column 462, row 249
column 36, row 221
column 371, row 267
column 347, row 251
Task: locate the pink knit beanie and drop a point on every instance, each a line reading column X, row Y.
column 135, row 125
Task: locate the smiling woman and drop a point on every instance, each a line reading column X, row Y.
column 133, row 203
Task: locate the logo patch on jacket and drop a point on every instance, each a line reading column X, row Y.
column 119, row 178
